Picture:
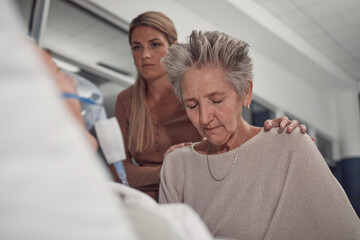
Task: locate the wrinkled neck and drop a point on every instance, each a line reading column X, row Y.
column 236, row 139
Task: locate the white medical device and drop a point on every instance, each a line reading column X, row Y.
column 112, row 144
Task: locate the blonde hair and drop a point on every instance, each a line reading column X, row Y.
column 210, row 48
column 141, row 126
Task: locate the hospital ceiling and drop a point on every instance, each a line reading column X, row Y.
column 332, row 26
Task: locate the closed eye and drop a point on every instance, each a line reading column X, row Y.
column 217, row 102
column 192, row 106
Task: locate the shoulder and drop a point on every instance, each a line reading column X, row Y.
column 123, row 101
column 178, row 157
column 297, row 148
column 288, row 145
column 125, row 95
column 282, row 136
column 297, row 141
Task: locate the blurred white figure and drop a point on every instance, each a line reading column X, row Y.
column 51, row 184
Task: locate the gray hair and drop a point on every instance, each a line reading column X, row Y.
column 210, row 48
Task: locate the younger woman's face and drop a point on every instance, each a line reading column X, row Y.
column 148, row 46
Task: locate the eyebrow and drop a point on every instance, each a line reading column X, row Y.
column 151, row 40
column 189, row 99
column 208, row 96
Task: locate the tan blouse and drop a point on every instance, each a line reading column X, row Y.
column 172, row 127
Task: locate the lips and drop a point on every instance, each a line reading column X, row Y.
column 211, row 129
column 148, row 65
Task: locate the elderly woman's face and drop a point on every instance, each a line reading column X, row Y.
column 211, row 103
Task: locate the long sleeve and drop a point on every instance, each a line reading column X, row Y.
column 172, row 177
column 312, row 204
column 138, row 176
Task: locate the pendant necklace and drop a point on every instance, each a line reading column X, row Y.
column 232, row 165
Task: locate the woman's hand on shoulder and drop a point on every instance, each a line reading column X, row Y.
column 284, row 122
column 172, row 148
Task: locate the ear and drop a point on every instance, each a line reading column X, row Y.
column 248, row 94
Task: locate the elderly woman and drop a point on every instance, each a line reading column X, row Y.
column 244, row 183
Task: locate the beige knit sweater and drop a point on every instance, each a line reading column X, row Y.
column 279, row 188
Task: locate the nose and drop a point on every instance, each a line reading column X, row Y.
column 205, row 115
column 145, row 53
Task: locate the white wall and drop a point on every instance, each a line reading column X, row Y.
column 288, row 92
column 301, row 83
column 184, row 19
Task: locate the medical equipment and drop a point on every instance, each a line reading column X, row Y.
column 90, row 97
column 112, row 144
